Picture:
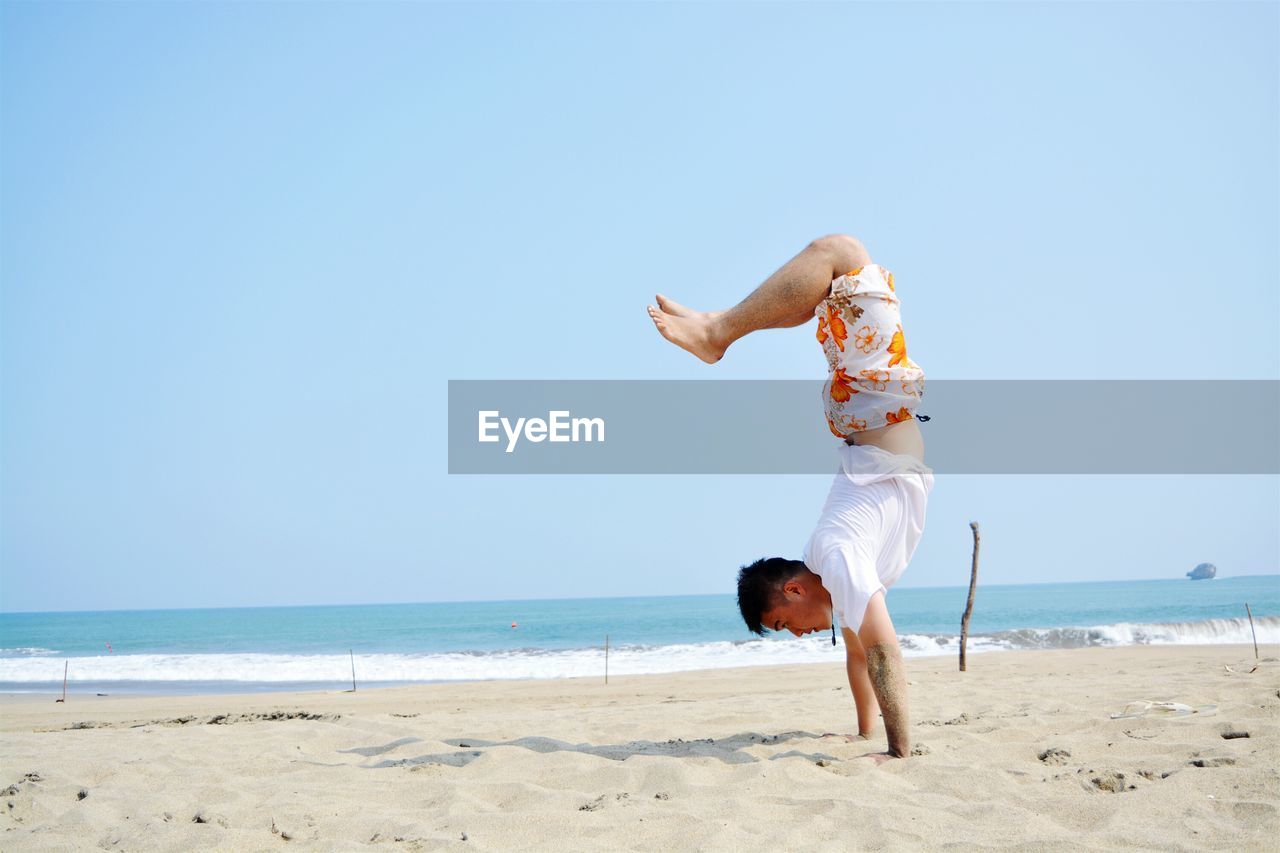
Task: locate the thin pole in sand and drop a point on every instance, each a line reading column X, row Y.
column 606, row 658
column 973, row 584
column 65, row 664
column 353, row 669
column 1251, row 631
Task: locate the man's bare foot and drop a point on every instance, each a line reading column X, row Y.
column 672, row 307
column 692, row 331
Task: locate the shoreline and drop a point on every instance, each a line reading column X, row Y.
column 1019, row 750
column 92, row 691
column 383, row 670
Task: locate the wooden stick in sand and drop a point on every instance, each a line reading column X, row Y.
column 65, row 664
column 606, row 658
column 973, row 584
column 1251, row 631
column 353, row 669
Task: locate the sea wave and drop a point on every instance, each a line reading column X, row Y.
column 1205, row 632
column 623, row 660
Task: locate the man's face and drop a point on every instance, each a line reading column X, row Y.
column 801, row 609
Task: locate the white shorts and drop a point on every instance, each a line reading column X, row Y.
column 869, row 528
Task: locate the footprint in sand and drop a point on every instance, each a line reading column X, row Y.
column 1110, row 781
column 1212, row 762
column 600, row 802
column 1054, row 755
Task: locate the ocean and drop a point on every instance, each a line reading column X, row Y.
column 313, row 648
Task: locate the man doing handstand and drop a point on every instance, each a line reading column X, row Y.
column 874, row 514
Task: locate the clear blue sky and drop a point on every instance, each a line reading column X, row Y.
column 243, row 247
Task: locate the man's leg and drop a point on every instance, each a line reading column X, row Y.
column 787, row 298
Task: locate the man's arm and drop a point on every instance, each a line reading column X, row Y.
column 864, row 697
column 887, row 674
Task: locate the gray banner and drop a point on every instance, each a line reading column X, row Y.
column 778, row 427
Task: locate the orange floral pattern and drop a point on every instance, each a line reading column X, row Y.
column 897, row 348
column 842, row 389
column 874, row 381
column 832, row 326
column 866, row 339
column 839, row 333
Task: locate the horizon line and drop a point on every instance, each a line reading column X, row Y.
column 577, row 598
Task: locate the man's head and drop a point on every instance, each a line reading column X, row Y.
column 782, row 595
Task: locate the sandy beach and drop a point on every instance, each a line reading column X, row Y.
column 1018, row 753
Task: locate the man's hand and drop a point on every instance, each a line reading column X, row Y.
column 847, row 738
column 876, row 758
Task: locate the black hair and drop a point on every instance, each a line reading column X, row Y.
column 759, row 587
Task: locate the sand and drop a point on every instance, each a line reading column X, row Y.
column 1018, row 753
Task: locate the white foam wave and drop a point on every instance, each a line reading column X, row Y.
column 625, row 660
column 29, row 651
column 1207, row 631
column 273, row 668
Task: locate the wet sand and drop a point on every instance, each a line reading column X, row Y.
column 1018, row 753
